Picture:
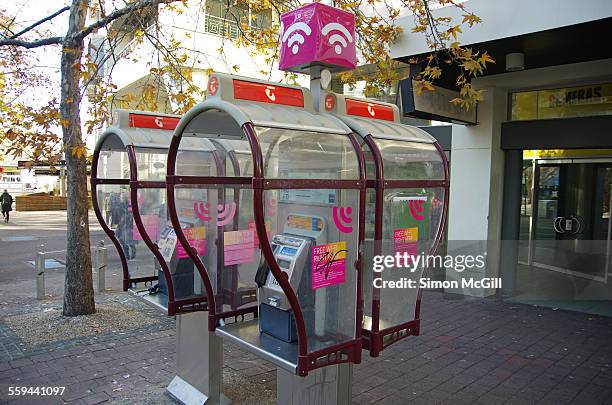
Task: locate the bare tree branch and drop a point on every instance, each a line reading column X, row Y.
column 37, row 23
column 131, row 8
column 80, row 35
column 32, row 44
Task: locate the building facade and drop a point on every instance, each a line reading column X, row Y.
column 531, row 181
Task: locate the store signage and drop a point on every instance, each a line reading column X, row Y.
column 266, row 93
column 433, row 104
column 153, row 122
column 369, row 109
column 575, row 101
column 28, row 164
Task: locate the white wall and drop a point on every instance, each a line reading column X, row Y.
column 504, row 18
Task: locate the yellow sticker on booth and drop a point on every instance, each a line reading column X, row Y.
column 328, row 264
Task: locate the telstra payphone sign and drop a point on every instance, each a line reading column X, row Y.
column 317, row 34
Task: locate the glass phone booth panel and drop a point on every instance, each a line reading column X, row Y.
column 313, row 233
column 116, row 204
column 411, row 221
column 218, row 220
column 410, row 160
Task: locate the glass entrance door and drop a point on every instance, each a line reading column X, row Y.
column 570, row 217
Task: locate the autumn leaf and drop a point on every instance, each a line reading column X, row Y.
column 485, row 58
column 453, row 31
column 471, row 19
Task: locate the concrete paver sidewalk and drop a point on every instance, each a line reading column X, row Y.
column 470, row 351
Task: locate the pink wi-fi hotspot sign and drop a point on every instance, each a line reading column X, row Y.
column 317, row 34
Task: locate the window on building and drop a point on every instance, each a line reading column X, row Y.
column 580, row 101
column 124, row 29
column 223, row 18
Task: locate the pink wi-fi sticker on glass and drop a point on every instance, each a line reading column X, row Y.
column 225, row 213
column 342, row 219
column 202, row 211
column 417, row 206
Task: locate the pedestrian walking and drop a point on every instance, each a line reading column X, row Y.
column 108, row 209
column 6, row 201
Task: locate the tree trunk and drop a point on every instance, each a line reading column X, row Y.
column 78, row 286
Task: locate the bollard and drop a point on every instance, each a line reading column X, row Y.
column 40, row 275
column 100, row 265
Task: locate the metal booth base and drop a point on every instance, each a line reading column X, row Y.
column 199, row 358
column 323, row 386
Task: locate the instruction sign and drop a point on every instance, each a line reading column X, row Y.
column 328, row 264
column 197, row 239
column 238, row 247
column 167, row 244
column 308, row 196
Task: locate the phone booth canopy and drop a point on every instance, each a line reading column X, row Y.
column 407, row 203
column 129, row 199
column 284, row 277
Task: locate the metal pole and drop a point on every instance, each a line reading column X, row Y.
column 315, row 86
column 63, row 181
column 100, row 265
column 40, row 275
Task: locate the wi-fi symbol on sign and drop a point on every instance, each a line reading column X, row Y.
column 202, row 211
column 294, row 41
column 341, row 217
column 225, row 213
column 339, row 40
column 416, row 209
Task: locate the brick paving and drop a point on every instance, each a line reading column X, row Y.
column 480, row 351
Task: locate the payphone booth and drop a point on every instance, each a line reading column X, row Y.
column 294, row 238
column 407, row 203
column 129, row 199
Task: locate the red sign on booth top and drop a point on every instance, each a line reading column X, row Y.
column 330, row 102
column 369, row 110
column 153, row 122
column 213, row 86
column 265, row 93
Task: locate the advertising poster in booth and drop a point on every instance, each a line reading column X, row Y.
column 410, row 216
column 328, row 264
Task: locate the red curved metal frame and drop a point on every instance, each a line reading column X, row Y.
column 376, row 340
column 127, row 280
column 175, row 306
column 192, row 253
column 349, row 351
column 214, row 314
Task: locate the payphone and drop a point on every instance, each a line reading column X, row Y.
column 292, row 251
